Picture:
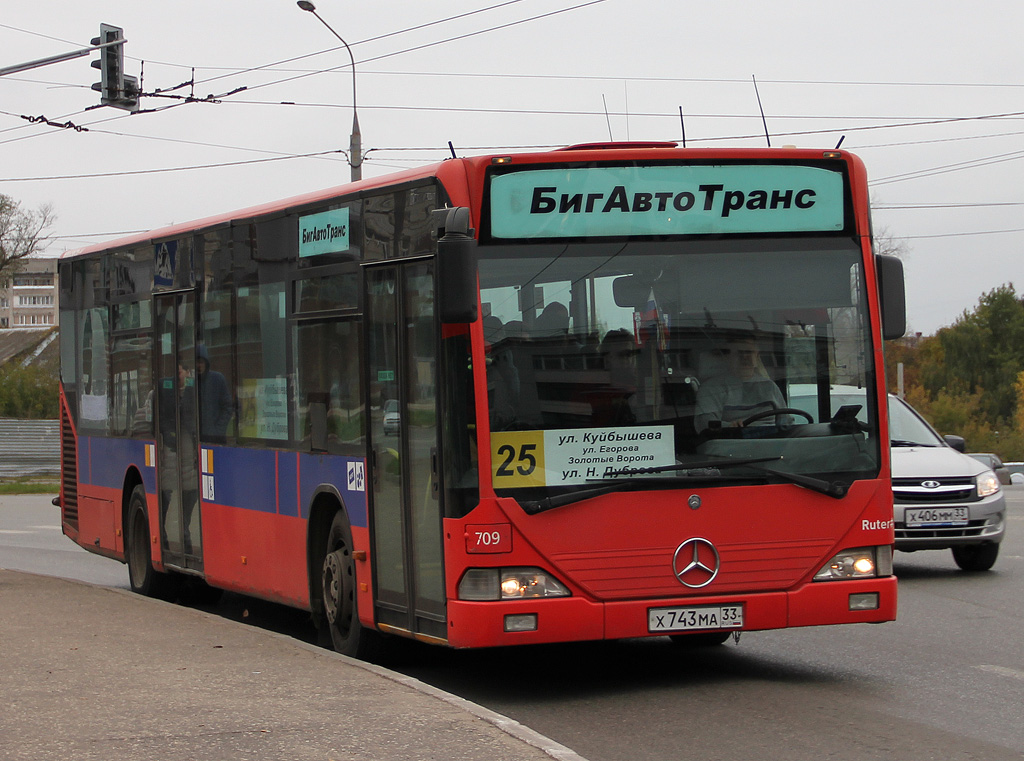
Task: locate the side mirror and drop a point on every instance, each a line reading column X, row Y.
column 891, row 296
column 957, row 442
column 457, row 295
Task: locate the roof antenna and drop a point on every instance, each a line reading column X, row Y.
column 763, row 120
column 452, row 149
column 607, row 118
column 683, row 125
column 839, row 143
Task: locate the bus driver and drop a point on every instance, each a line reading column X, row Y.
column 744, row 389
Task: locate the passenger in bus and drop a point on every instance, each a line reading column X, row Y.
column 179, row 460
column 215, row 405
column 553, row 322
column 616, row 404
column 502, row 377
column 740, row 391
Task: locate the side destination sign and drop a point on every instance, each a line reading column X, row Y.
column 665, row 200
column 324, row 233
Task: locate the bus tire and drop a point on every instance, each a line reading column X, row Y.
column 143, row 578
column 338, row 590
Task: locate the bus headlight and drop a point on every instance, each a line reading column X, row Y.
column 987, row 483
column 509, row 584
column 858, row 563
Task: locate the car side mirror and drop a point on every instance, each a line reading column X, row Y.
column 957, row 442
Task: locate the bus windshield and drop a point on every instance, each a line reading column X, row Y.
column 659, row 360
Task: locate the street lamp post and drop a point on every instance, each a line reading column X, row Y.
column 355, row 158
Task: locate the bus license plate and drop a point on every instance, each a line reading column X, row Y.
column 694, row 618
column 936, row 516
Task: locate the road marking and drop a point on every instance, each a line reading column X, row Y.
column 1004, row 671
column 14, row 531
column 46, row 528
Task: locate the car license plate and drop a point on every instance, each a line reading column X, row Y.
column 694, row 618
column 936, row 516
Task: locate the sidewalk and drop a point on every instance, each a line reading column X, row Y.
column 88, row 672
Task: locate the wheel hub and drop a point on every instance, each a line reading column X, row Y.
column 333, row 585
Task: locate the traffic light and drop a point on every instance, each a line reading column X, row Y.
column 115, row 88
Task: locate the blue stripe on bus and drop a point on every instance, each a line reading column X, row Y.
column 265, row 480
column 316, row 469
column 246, row 478
column 103, row 462
column 288, row 485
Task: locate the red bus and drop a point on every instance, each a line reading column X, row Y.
column 500, row 400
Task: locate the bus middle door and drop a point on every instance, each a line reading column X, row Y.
column 177, row 431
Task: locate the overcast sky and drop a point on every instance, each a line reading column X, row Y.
column 928, row 94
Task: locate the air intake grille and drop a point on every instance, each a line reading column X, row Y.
column 68, row 469
column 927, row 491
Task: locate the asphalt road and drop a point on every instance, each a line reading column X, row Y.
column 945, row 681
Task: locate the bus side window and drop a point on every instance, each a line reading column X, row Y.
column 330, row 415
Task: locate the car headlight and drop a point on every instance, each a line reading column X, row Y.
column 858, row 563
column 509, row 584
column 987, row 483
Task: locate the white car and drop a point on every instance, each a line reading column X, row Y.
column 1016, row 472
column 392, row 418
column 943, row 499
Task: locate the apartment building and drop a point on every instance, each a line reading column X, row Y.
column 28, row 297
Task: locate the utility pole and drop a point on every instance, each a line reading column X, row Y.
column 355, row 158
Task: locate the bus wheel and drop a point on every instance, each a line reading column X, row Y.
column 701, row 639
column 338, row 587
column 144, row 579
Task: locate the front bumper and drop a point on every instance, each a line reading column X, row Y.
column 986, row 523
column 568, row 619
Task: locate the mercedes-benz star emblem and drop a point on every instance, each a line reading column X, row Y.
column 696, row 563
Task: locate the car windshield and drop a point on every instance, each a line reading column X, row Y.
column 907, row 428
column 612, row 359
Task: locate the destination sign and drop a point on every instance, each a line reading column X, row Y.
column 324, row 233
column 586, row 202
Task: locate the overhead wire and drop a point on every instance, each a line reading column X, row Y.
column 400, row 52
column 321, row 154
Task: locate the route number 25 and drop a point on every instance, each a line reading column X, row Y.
column 524, row 462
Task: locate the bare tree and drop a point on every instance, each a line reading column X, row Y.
column 889, row 244
column 22, row 232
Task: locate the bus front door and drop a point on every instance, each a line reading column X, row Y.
column 178, row 443
column 405, row 508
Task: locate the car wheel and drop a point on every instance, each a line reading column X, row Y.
column 976, row 557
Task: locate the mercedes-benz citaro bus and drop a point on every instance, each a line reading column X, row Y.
column 499, row 400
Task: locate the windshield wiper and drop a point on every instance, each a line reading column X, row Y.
column 905, row 443
column 725, row 462
column 532, row 507
column 834, row 489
